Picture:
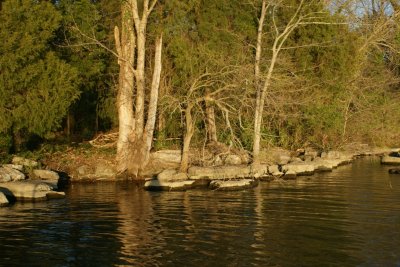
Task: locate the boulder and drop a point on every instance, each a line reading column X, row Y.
column 3, row 200
column 233, row 160
column 217, row 173
column 388, row 160
column 295, row 160
column 25, row 162
column 26, row 190
column 14, row 166
column 310, row 154
column 322, row 165
column 46, row 175
column 260, row 171
column 230, row 185
column 282, row 159
column 331, row 155
column 8, row 174
column 299, row 168
column 274, row 171
column 171, row 175
column 155, row 184
column 394, row 171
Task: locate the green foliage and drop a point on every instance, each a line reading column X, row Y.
column 36, row 86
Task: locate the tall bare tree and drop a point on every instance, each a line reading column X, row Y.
column 302, row 15
column 135, row 132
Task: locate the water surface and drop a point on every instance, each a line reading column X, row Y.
column 349, row 217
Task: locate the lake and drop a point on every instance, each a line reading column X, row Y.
column 348, row 217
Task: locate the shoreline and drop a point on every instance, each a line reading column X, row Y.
column 24, row 180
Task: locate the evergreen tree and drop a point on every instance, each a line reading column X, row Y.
column 36, row 87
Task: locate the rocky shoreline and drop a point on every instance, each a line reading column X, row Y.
column 234, row 177
column 24, row 180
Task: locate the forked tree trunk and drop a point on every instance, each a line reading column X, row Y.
column 135, row 139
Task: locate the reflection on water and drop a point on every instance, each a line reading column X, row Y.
column 350, row 217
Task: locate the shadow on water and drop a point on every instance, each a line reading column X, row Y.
column 349, row 217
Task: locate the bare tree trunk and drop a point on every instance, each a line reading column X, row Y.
column 140, row 79
column 125, row 44
column 152, row 111
column 259, row 103
column 280, row 39
column 210, row 122
column 187, row 138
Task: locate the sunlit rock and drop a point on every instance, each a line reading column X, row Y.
column 25, row 162
column 300, row 168
column 15, row 167
column 46, row 175
column 389, row 160
column 8, row 174
column 171, row 175
column 260, row 171
column 232, row 184
column 155, row 184
column 223, row 172
column 3, row 200
column 26, row 190
column 275, row 171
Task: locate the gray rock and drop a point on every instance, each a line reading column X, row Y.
column 300, row 168
column 322, row 165
column 295, row 160
column 388, row 160
column 8, row 174
column 310, row 154
column 233, row 160
column 274, row 171
column 46, row 175
column 156, row 184
column 223, row 172
column 232, row 184
column 14, row 166
column 260, row 171
column 26, row 190
column 171, row 175
column 282, row 159
column 3, row 200
column 331, row 155
column 25, row 162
